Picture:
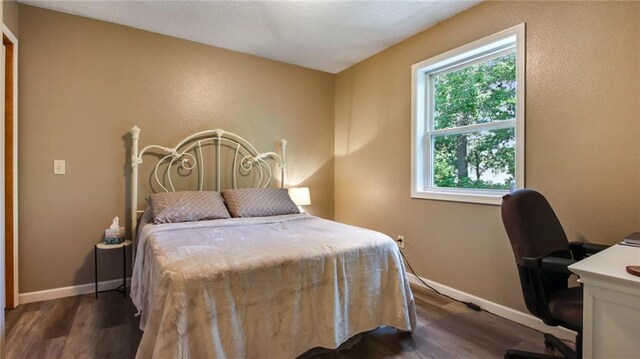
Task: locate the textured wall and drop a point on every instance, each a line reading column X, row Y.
column 582, row 132
column 10, row 8
column 84, row 83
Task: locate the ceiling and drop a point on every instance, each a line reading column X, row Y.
column 323, row 35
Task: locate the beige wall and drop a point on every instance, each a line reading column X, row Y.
column 84, row 83
column 582, row 132
column 10, row 8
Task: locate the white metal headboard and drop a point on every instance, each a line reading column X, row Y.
column 188, row 155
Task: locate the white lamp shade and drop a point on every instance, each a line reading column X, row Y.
column 300, row 195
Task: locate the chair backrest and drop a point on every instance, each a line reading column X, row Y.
column 532, row 226
column 535, row 232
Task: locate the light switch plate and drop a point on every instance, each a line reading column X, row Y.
column 59, row 167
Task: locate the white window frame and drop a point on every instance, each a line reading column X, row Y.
column 422, row 115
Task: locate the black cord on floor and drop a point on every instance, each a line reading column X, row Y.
column 470, row 305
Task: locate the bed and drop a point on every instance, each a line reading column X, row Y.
column 258, row 286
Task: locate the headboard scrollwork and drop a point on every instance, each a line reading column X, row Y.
column 188, row 156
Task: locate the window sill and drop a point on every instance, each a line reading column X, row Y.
column 491, row 198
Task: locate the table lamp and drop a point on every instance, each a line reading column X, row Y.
column 300, row 196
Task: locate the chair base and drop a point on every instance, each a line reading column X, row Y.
column 550, row 341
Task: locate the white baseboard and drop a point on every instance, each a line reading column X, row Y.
column 495, row 308
column 55, row 293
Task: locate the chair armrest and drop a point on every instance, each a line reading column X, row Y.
column 581, row 250
column 557, row 265
column 549, row 264
column 592, row 248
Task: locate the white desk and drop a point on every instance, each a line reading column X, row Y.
column 611, row 312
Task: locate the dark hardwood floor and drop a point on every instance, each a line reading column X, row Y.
column 85, row 327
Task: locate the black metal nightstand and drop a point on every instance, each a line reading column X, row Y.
column 104, row 246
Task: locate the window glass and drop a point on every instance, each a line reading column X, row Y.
column 478, row 93
column 481, row 160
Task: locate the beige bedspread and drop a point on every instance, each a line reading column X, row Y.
column 270, row 287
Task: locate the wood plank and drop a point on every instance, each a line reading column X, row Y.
column 11, row 316
column 84, row 332
column 60, row 317
column 112, row 343
column 111, row 310
column 22, row 336
column 26, row 330
column 48, row 348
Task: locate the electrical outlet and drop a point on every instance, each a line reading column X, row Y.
column 400, row 241
column 59, row 167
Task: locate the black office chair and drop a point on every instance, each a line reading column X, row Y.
column 542, row 254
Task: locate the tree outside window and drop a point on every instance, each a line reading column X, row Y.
column 479, row 93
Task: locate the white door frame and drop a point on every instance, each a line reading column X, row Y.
column 14, row 41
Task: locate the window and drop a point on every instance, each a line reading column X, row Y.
column 468, row 121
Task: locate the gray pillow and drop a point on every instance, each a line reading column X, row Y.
column 259, row 202
column 187, row 206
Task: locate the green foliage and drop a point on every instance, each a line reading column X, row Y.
column 475, row 94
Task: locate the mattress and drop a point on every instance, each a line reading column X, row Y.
column 267, row 287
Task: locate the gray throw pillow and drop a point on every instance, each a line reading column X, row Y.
column 187, row 206
column 259, row 202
